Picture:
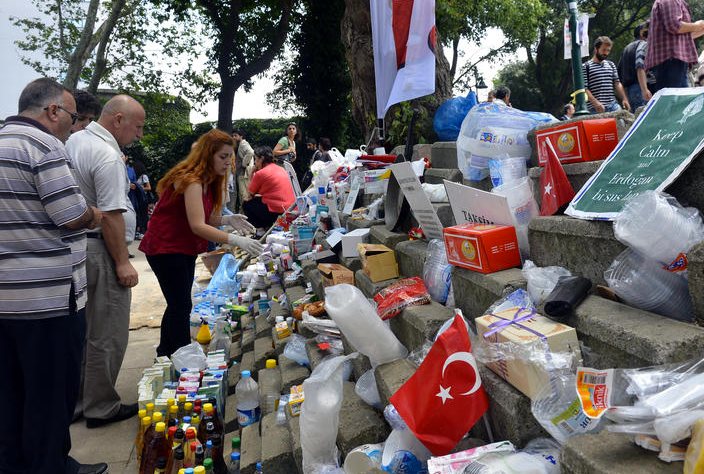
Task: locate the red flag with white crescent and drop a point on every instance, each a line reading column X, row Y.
column 444, row 398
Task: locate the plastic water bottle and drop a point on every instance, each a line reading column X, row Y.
column 195, row 321
column 219, row 302
column 247, row 392
column 270, row 399
column 259, row 468
column 234, row 465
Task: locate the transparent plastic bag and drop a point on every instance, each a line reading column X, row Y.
column 435, row 192
column 493, row 129
column 367, row 390
column 506, row 169
column 319, row 325
column 535, row 352
column 222, row 337
column 641, row 222
column 295, row 350
column 225, row 276
column 189, row 357
column 457, row 463
column 518, row 298
column 541, row 280
column 523, row 207
column 319, row 414
column 540, row 456
column 437, row 273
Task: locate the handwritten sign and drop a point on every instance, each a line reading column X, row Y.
column 352, row 196
column 420, row 204
column 659, row 146
column 470, row 205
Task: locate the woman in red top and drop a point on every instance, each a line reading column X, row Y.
column 270, row 191
column 184, row 219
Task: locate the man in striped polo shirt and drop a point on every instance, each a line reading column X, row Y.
column 601, row 80
column 42, row 283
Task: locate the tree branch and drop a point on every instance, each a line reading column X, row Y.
column 106, row 34
column 468, row 68
column 62, row 39
column 455, row 53
column 80, row 55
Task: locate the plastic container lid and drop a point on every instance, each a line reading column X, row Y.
column 172, row 431
column 259, row 466
column 186, row 419
column 246, row 373
column 142, row 413
column 150, row 407
column 161, row 426
column 208, row 444
column 271, row 363
column 157, row 416
column 208, row 407
column 199, row 470
column 321, row 190
column 173, row 409
column 235, row 442
column 190, row 433
column 235, row 456
column 208, row 464
column 146, row 421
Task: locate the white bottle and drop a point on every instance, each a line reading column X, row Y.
column 247, row 393
column 269, row 400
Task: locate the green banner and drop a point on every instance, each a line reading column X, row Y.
column 659, row 146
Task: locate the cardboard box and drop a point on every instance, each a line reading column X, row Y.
column 335, row 274
column 484, row 248
column 350, row 241
column 296, row 399
column 376, row 181
column 586, row 140
column 378, row 261
column 528, row 377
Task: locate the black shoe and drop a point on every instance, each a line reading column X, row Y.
column 125, row 412
column 130, row 255
column 100, row 468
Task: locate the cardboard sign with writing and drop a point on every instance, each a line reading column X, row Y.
column 658, row 147
column 352, row 196
column 419, row 202
column 474, row 205
column 293, row 177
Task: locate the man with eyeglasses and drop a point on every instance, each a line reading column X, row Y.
column 88, row 108
column 43, row 218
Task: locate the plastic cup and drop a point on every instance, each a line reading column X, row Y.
column 364, row 458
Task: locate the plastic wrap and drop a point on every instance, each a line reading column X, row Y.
column 457, row 463
column 449, row 116
column 643, row 283
column 542, row 280
column 435, row 192
column 319, row 414
column 523, row 207
column 437, row 273
column 403, row 294
column 493, row 129
column 189, row 357
column 518, row 298
column 506, row 169
column 641, row 222
column 222, row 337
column 540, row 456
column 225, row 276
column 367, row 390
column 295, row 350
column 535, row 352
column 361, row 325
column 319, row 326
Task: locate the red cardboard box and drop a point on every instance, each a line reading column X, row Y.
column 586, row 140
column 484, row 248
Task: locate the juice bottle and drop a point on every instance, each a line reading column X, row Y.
column 208, row 449
column 208, row 465
column 160, row 466
column 188, row 408
column 157, row 447
column 173, row 412
column 171, row 434
column 150, row 409
column 177, row 463
column 145, row 422
column 179, row 436
column 180, row 405
column 209, row 416
column 219, row 465
column 188, row 450
column 195, row 419
column 199, row 455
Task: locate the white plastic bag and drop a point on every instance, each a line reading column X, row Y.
column 506, row 169
column 541, row 280
column 295, row 350
column 361, row 325
column 435, row 192
column 189, row 357
column 319, row 415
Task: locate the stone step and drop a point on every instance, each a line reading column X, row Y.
column 390, row 376
column 251, row 448
column 315, row 353
column 233, row 376
column 353, row 224
column 410, row 257
column 695, row 267
column 359, row 423
column 351, row 263
column 291, row 373
column 279, row 344
column 269, row 383
column 292, row 282
column 418, row 324
column 611, row 453
column 295, row 293
column 359, row 364
column 231, row 424
column 586, row 248
column 248, row 363
column 475, row 292
column 444, row 155
column 274, row 290
column 622, row 336
column 263, row 326
column 278, row 310
column 277, row 452
column 294, row 430
column 263, row 350
column 379, row 234
column 368, row 287
column 248, row 337
column 438, row 175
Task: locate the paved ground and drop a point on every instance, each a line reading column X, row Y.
column 114, row 443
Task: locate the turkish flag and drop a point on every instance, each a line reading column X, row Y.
column 445, row 397
column 555, row 188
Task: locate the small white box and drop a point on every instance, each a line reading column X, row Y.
column 350, row 241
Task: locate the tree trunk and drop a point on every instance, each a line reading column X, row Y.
column 356, row 34
column 77, row 59
column 100, row 59
column 226, row 104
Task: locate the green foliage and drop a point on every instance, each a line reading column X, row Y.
column 397, row 130
column 519, row 76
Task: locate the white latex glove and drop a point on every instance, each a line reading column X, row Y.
column 238, row 222
column 251, row 246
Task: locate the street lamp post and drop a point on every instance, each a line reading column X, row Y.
column 581, row 103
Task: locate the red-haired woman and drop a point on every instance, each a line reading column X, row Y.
column 184, row 219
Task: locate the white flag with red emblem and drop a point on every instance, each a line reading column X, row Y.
column 403, row 38
column 444, row 398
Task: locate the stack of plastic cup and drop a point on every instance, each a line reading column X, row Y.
column 643, row 283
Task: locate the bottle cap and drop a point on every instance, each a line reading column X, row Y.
column 150, row 407
column 179, row 433
column 157, row 416
column 259, row 466
column 160, row 427
column 210, row 426
column 188, row 470
column 208, row 464
column 195, row 419
column 146, row 421
column 186, row 419
column 193, row 446
column 182, row 399
column 188, row 406
column 173, row 409
column 235, row 456
column 142, row 413
column 199, row 470
column 161, row 463
column 170, row 402
column 190, row 433
column 208, row 444
column 197, row 410
column 182, row 471
column 178, row 453
column 172, row 431
column 235, row 442
column 321, row 189
column 198, row 402
column 208, row 407
column 271, row 363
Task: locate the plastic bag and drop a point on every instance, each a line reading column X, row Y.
column 506, row 169
column 401, row 295
column 523, row 207
column 367, row 390
column 518, row 298
column 319, row 414
column 361, row 325
column 449, row 116
column 641, row 222
column 189, row 357
column 541, row 280
column 540, row 456
column 320, row 326
column 222, row 337
column 435, row 192
column 493, row 129
column 225, row 276
column 295, row 350
column 456, row 463
column 437, row 273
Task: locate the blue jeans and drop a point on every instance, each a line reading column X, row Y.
column 611, row 107
column 635, row 96
column 671, row 73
